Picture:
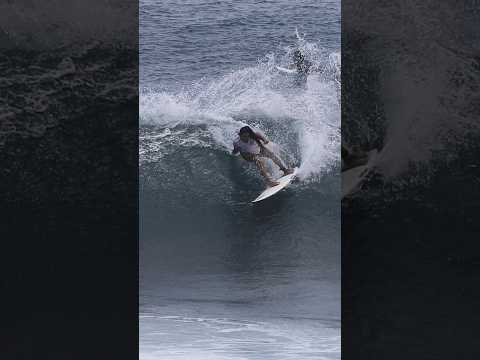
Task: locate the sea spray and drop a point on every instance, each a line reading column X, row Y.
column 302, row 120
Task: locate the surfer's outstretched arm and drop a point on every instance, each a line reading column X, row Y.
column 261, row 137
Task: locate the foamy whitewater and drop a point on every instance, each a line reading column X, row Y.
column 304, row 121
column 219, row 277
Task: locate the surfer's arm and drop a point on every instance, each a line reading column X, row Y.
column 235, row 150
column 261, row 137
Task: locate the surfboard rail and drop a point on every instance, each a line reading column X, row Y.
column 284, row 182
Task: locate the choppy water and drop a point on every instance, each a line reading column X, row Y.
column 221, row 278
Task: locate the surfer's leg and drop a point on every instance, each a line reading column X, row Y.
column 277, row 161
column 263, row 171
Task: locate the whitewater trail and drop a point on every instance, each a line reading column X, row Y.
column 301, row 119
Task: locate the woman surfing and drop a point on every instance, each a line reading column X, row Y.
column 251, row 145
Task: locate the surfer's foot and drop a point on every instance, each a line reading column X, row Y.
column 287, row 171
column 272, row 183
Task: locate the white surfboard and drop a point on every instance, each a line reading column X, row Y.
column 284, row 181
column 285, row 70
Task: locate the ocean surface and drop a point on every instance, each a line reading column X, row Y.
column 220, row 277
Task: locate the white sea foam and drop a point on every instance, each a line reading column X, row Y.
column 165, row 337
column 304, row 119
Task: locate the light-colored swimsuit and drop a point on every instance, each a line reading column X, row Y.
column 250, row 147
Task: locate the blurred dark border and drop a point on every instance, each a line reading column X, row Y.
column 69, row 179
column 410, row 242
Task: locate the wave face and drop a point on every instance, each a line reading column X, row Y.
column 221, row 277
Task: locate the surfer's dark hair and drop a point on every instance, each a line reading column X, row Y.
column 251, row 134
column 248, row 130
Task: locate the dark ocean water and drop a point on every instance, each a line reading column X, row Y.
column 221, row 278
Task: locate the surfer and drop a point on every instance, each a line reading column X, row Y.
column 251, row 145
column 302, row 65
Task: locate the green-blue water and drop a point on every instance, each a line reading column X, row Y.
column 221, row 278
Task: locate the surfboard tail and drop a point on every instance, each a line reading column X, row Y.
column 284, row 182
